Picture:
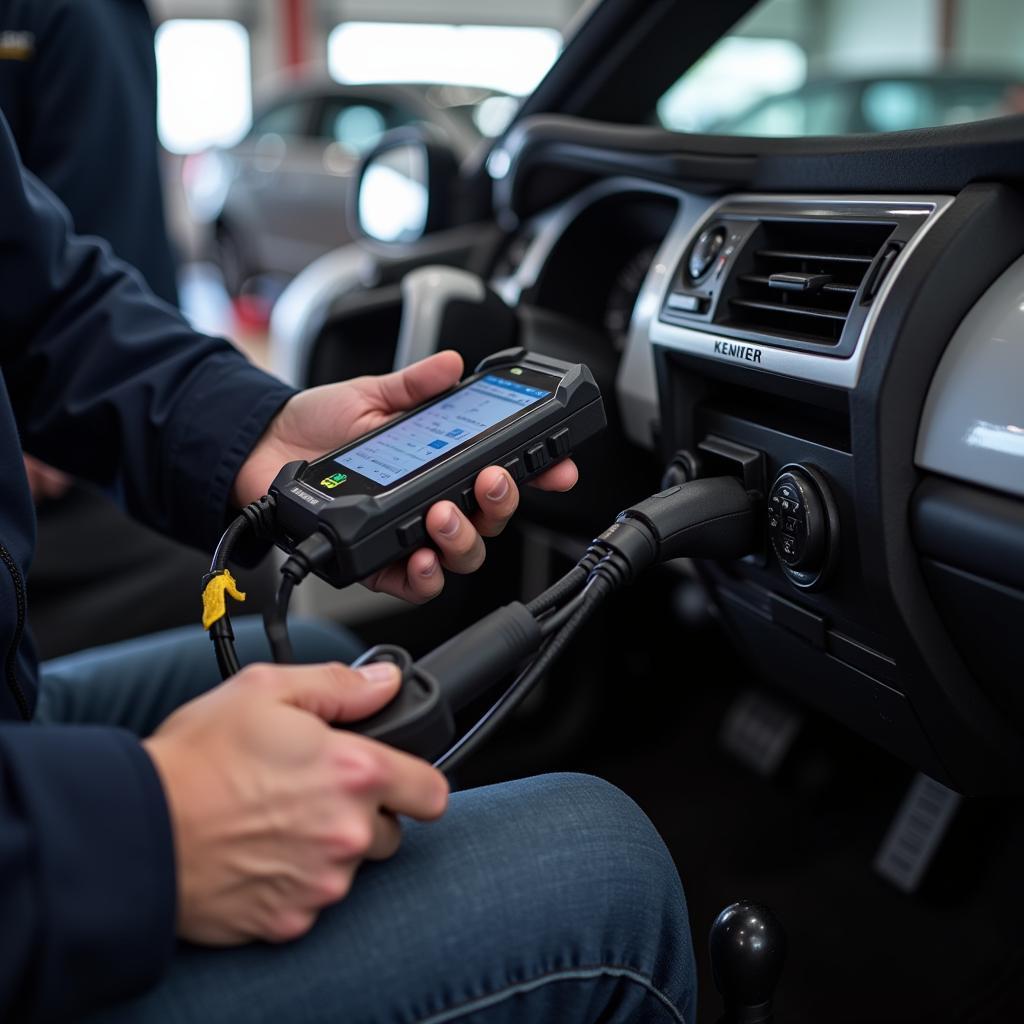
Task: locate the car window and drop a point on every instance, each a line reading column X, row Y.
column 290, row 118
column 832, row 67
column 358, row 125
column 814, row 112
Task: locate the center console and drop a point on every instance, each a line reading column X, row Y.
column 792, row 342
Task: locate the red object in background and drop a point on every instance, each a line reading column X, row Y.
column 252, row 312
column 296, row 33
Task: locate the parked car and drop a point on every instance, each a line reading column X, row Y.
column 877, row 103
column 276, row 201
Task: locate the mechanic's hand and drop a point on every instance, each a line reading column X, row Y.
column 321, row 419
column 44, row 481
column 273, row 811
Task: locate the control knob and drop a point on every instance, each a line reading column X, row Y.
column 803, row 525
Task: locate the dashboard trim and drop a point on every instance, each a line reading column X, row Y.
column 818, row 368
column 550, row 226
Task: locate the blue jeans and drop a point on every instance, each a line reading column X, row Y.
column 136, row 684
column 550, row 899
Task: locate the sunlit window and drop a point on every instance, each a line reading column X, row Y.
column 205, row 85
column 731, row 77
column 807, row 67
column 505, row 58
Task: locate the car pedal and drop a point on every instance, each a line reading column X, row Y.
column 916, row 833
column 759, row 731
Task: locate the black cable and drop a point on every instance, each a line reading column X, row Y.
column 312, row 552
column 554, row 620
column 571, row 582
column 257, row 518
column 226, row 544
column 221, row 633
column 275, row 621
column 224, row 648
column 517, row 691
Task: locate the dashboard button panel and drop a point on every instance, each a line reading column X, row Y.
column 802, row 525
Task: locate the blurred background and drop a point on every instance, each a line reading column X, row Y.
column 267, row 105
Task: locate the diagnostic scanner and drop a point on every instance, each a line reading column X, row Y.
column 369, row 499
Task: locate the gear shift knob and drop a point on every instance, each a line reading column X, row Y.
column 748, row 949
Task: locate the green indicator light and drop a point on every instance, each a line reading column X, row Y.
column 330, row 482
column 517, row 371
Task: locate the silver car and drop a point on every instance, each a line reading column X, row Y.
column 277, row 200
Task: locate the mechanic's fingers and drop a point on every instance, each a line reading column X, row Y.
column 560, row 477
column 331, row 691
column 387, row 837
column 462, row 548
column 497, row 498
column 412, row 386
column 419, row 578
column 389, row 778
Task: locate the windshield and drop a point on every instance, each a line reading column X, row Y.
column 835, row 67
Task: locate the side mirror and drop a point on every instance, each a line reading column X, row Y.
column 403, row 188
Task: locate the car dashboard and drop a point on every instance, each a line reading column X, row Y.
column 855, row 353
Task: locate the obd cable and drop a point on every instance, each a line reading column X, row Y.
column 710, row 518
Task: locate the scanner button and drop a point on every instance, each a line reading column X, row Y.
column 514, row 467
column 536, row 458
column 467, row 499
column 412, row 533
column 558, row 444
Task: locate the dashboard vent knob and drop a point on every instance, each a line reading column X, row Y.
column 705, row 251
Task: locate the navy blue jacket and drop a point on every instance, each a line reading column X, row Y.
column 103, row 380
column 78, row 88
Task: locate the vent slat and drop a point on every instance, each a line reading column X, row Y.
column 843, row 251
column 784, row 254
column 782, row 307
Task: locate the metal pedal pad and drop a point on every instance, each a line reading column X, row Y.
column 916, row 833
column 759, row 731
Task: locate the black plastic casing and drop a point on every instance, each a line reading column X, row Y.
column 368, row 532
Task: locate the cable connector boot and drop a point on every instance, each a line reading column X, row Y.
column 712, row 518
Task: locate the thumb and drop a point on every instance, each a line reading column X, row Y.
column 412, row 386
column 337, row 693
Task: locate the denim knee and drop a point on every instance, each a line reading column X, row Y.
column 624, row 876
column 632, row 846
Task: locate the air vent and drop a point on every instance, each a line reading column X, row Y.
column 800, row 279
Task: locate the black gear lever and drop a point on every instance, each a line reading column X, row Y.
column 748, row 950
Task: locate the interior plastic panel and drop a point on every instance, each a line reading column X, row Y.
column 973, row 423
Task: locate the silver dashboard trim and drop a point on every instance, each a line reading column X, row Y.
column 811, row 366
column 549, row 226
column 635, row 384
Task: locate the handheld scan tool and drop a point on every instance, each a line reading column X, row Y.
column 370, row 498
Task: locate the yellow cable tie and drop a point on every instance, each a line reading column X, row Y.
column 215, row 593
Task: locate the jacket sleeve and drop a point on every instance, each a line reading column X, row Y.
column 87, row 884
column 108, row 382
